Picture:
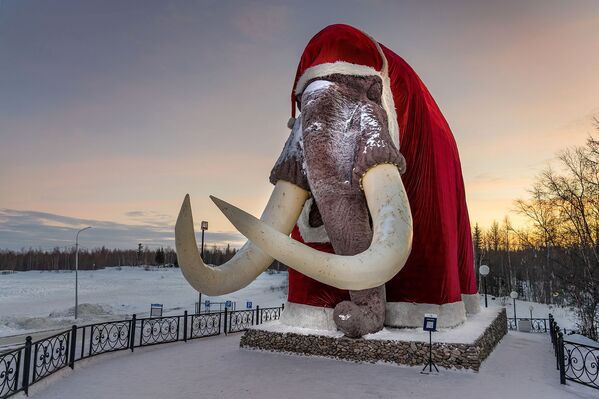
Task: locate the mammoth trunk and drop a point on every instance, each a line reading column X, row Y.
column 344, row 134
column 341, row 134
column 347, row 223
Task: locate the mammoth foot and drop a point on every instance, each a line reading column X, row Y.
column 364, row 314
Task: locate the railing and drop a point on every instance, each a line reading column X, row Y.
column 24, row 366
column 575, row 361
column 536, row 325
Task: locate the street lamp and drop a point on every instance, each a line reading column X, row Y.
column 204, row 227
column 77, row 268
column 484, row 271
column 531, row 308
column 514, row 296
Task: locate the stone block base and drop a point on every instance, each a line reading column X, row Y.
column 410, row 350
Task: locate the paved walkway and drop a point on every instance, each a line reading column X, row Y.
column 522, row 366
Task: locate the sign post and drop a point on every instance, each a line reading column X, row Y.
column 430, row 325
column 156, row 310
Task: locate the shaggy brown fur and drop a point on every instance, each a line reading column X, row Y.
column 344, row 133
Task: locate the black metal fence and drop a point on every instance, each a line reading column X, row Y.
column 35, row 360
column 575, row 361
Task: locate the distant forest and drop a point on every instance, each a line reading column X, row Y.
column 99, row 258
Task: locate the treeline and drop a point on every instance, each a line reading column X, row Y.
column 98, row 258
column 555, row 259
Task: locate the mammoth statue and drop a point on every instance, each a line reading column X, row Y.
column 370, row 188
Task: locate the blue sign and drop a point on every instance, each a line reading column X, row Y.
column 206, row 303
column 248, row 304
column 228, row 304
column 430, row 322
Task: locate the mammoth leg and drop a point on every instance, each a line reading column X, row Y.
column 364, row 314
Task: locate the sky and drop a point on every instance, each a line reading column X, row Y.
column 111, row 111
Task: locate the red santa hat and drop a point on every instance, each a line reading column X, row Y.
column 343, row 49
column 438, row 277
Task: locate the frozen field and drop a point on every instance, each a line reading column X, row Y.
column 34, row 301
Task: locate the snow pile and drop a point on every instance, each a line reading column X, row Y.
column 85, row 310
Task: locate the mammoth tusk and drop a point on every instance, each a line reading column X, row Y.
column 280, row 214
column 390, row 247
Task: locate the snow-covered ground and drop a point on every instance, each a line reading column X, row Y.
column 522, row 366
column 34, row 301
column 565, row 316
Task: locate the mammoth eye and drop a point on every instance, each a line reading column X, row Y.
column 375, row 91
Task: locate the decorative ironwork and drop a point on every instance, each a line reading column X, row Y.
column 269, row 314
column 205, row 325
column 580, row 363
column 536, row 325
column 109, row 337
column 240, row 320
column 10, row 364
column 23, row 367
column 50, row 355
column 159, row 330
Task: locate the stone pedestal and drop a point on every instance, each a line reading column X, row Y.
column 462, row 347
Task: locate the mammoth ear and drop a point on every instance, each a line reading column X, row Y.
column 290, row 165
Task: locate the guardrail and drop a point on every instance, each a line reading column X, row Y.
column 537, row 325
column 30, row 363
column 576, row 362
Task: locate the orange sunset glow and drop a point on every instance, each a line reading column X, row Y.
column 111, row 113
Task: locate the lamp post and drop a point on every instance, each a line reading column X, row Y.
column 514, row 296
column 77, row 268
column 531, row 308
column 204, row 227
column 484, row 271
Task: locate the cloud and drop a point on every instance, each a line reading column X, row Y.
column 25, row 229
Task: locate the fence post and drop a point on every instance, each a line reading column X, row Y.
column 225, row 329
column 27, row 364
column 132, row 329
column 185, row 326
column 558, row 334
column 562, row 366
column 257, row 314
column 72, row 347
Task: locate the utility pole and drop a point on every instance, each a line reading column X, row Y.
column 204, row 226
column 77, row 269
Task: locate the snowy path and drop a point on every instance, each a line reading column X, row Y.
column 522, row 366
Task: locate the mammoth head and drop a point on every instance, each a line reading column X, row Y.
column 339, row 152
